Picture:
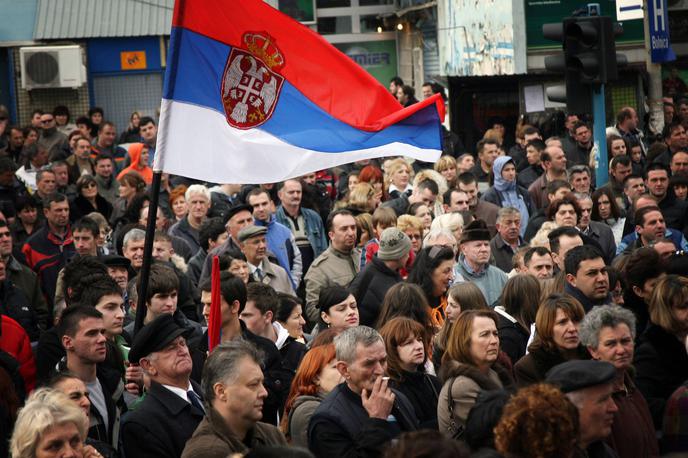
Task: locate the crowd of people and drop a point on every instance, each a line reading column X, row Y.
column 495, row 304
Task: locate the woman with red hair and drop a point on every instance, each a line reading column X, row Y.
column 316, row 376
column 374, row 176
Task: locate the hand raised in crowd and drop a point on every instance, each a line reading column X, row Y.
column 134, row 378
column 380, row 401
column 89, row 452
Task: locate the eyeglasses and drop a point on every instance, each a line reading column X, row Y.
column 47, row 121
column 90, row 184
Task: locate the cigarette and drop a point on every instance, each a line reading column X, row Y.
column 385, row 379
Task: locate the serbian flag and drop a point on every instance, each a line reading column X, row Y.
column 252, row 96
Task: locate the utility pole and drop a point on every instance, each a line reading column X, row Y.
column 654, row 71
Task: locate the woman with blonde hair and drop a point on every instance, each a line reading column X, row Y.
column 50, row 425
column 540, row 238
column 398, row 178
column 451, row 221
column 446, row 166
column 442, row 187
column 412, row 226
column 362, row 199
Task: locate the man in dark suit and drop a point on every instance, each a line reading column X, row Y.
column 173, row 408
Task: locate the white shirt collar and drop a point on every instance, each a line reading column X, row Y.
column 180, row 392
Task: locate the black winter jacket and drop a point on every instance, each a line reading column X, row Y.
column 423, row 391
column 341, row 426
column 369, row 288
column 661, row 364
column 15, row 304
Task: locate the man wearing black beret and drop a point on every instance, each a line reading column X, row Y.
column 589, row 385
column 173, row 407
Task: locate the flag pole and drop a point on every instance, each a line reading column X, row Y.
column 147, row 251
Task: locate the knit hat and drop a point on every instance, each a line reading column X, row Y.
column 394, row 244
column 475, row 231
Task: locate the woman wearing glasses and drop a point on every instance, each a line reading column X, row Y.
column 88, row 200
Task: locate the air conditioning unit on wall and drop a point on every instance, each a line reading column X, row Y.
column 51, row 67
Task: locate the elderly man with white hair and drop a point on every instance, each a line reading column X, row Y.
column 198, row 200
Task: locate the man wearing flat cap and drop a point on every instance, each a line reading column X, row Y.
column 474, row 262
column 255, row 248
column 238, row 217
column 378, row 276
column 173, row 407
column 589, row 385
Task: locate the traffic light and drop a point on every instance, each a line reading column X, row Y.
column 588, row 58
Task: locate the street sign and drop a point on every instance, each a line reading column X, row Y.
column 628, row 10
column 660, row 42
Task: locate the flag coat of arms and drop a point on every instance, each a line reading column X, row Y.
column 252, row 96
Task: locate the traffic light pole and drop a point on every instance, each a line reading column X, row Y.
column 600, row 136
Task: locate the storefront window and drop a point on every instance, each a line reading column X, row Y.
column 333, row 3
column 332, row 25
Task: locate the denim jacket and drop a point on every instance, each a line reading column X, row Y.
column 314, row 228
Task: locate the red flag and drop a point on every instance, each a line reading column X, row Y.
column 215, row 318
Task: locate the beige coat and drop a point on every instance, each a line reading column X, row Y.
column 465, row 382
column 332, row 267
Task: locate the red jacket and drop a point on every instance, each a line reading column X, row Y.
column 15, row 341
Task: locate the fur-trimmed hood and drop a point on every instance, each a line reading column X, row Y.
column 546, row 359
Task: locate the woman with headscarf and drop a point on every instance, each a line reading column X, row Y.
column 505, row 192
